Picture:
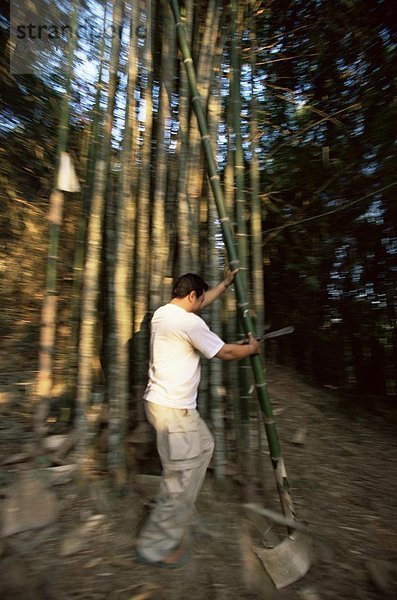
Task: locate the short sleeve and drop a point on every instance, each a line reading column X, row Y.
column 203, row 339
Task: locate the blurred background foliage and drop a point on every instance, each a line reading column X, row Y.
column 326, row 113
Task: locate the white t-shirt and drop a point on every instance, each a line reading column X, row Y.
column 177, row 338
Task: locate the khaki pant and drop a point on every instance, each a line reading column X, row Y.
column 185, row 446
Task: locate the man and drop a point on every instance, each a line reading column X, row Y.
column 184, row 442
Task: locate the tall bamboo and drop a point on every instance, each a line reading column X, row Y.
column 242, row 236
column 256, row 362
column 79, row 253
column 185, row 259
column 160, row 236
column 217, row 389
column 119, row 376
column 49, row 307
column 131, row 187
column 94, row 239
column 230, row 312
column 258, row 299
column 195, row 163
column 140, row 346
column 258, row 296
column 209, row 58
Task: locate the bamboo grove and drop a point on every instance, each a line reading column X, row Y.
column 206, row 134
column 148, row 213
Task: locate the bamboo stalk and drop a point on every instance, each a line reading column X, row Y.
column 216, row 387
column 119, row 377
column 140, row 345
column 185, row 258
column 256, row 362
column 241, row 232
column 93, row 261
column 195, row 160
column 55, row 213
column 79, row 254
column 160, row 234
column 258, row 295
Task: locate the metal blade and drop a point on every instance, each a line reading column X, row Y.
column 278, row 332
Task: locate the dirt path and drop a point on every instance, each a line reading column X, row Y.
column 343, row 476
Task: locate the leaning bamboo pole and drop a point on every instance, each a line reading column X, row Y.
column 256, row 362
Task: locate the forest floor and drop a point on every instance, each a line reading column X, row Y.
column 341, row 458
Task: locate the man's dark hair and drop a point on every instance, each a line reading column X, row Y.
column 188, row 283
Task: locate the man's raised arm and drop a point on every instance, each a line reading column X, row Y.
column 215, row 292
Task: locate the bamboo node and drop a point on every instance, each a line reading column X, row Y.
column 224, row 219
column 188, row 60
column 215, row 177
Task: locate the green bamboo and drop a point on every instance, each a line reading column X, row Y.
column 256, row 361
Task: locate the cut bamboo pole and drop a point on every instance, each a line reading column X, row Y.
column 256, row 362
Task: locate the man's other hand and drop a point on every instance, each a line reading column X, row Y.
column 229, row 277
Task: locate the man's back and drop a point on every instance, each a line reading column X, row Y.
column 177, row 338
